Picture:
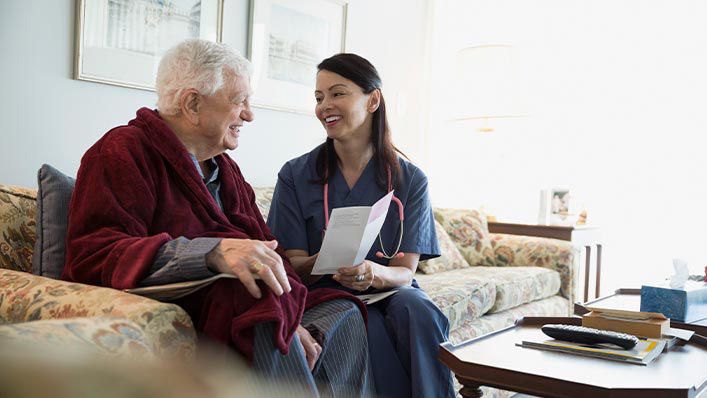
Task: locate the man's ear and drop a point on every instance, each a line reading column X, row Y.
column 190, row 103
column 374, row 101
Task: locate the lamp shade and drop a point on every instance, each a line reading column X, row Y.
column 486, row 83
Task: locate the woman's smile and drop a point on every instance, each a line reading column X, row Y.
column 332, row 120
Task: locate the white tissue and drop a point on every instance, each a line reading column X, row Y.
column 677, row 281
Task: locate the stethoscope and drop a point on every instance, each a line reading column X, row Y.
column 383, row 254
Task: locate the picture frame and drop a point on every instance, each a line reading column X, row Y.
column 286, row 41
column 556, row 207
column 121, row 42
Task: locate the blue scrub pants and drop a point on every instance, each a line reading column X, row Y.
column 404, row 334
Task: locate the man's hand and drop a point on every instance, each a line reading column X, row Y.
column 245, row 257
column 312, row 349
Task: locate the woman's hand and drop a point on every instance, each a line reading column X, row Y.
column 312, row 349
column 359, row 277
column 245, row 258
column 398, row 272
column 303, row 264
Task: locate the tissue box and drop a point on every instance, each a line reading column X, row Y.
column 684, row 305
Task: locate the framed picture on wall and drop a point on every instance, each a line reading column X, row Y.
column 121, row 42
column 286, row 41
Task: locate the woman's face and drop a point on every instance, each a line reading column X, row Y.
column 342, row 107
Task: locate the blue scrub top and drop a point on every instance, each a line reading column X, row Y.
column 296, row 215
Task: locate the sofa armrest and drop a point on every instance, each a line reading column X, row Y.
column 26, row 297
column 111, row 336
column 519, row 250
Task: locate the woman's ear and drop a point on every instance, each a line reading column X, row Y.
column 190, row 102
column 374, row 100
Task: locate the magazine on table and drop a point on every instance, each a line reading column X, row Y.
column 642, row 354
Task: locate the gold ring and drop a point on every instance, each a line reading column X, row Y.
column 258, row 266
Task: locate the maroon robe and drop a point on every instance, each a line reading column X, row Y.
column 137, row 189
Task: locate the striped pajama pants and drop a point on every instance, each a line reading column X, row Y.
column 343, row 368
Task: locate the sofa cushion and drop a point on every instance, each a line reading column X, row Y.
column 551, row 306
column 53, row 197
column 450, row 259
column 469, row 232
column 519, row 285
column 17, row 227
column 469, row 293
column 461, row 294
column 263, row 198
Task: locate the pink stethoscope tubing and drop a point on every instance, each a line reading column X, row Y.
column 397, row 201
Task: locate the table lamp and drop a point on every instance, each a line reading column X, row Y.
column 486, row 84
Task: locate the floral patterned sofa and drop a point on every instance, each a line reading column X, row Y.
column 44, row 310
column 484, row 282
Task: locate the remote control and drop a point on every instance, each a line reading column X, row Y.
column 581, row 334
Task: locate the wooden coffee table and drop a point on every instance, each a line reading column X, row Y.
column 494, row 360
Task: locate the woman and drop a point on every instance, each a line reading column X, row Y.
column 356, row 166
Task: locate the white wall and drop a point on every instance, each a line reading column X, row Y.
column 50, row 118
column 615, row 93
column 394, row 36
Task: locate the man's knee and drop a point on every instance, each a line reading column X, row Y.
column 350, row 310
column 342, row 310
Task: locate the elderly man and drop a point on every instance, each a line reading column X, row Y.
column 159, row 201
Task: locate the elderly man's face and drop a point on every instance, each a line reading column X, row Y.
column 222, row 114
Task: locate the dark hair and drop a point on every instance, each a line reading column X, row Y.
column 364, row 74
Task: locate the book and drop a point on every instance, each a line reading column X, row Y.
column 642, row 354
column 687, row 305
column 173, row 291
column 643, row 324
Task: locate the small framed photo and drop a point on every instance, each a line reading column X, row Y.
column 559, row 201
column 121, row 42
column 286, row 41
column 555, row 207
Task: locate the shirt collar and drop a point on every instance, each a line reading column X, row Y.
column 214, row 168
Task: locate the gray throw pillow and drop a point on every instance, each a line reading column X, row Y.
column 53, row 199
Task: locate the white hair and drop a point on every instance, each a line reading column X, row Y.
column 195, row 64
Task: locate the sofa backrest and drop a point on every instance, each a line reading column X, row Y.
column 263, row 198
column 18, row 208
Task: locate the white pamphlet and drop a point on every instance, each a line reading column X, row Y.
column 350, row 235
column 372, row 298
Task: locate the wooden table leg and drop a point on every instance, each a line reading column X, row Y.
column 587, row 264
column 598, row 269
column 469, row 388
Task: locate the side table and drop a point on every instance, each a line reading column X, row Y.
column 494, row 360
column 629, row 299
column 580, row 235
